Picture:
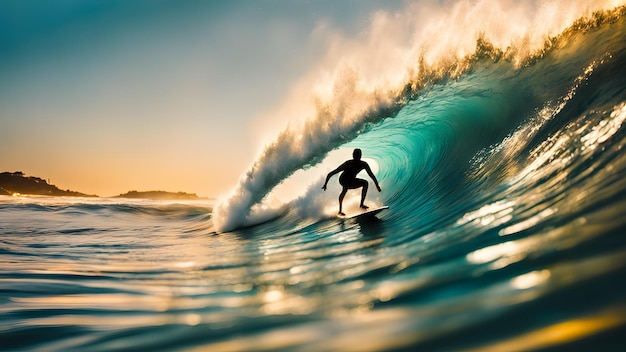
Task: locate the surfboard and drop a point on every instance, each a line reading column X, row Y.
column 366, row 214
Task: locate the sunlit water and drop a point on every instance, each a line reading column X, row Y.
column 505, row 232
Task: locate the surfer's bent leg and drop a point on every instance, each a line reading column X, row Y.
column 365, row 185
column 341, row 195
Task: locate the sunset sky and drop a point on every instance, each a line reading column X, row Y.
column 103, row 97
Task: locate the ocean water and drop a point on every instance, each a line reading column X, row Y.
column 505, row 178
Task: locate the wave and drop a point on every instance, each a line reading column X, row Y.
column 77, row 206
column 468, row 77
column 504, row 172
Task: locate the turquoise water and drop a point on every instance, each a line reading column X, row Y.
column 505, row 232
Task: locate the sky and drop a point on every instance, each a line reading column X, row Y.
column 103, row 97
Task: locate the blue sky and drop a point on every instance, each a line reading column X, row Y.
column 107, row 96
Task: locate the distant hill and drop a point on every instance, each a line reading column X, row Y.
column 160, row 195
column 16, row 182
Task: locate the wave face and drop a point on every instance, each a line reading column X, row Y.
column 450, row 46
column 504, row 172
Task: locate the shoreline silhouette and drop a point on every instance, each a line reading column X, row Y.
column 17, row 183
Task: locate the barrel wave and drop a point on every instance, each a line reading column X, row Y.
column 497, row 135
column 449, row 103
column 503, row 174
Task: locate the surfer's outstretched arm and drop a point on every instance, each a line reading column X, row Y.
column 371, row 174
column 331, row 174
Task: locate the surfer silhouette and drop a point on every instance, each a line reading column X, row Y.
column 348, row 179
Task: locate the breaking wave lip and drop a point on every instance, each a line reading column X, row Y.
column 352, row 107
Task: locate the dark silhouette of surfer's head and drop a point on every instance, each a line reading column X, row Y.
column 356, row 154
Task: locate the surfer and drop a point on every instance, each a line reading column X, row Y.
column 348, row 179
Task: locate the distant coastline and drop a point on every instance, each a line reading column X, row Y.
column 12, row 183
column 16, row 183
